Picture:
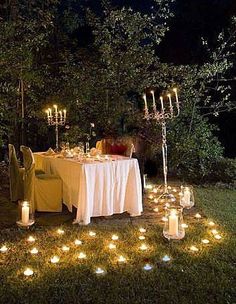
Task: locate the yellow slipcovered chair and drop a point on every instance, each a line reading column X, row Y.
column 16, row 176
column 43, row 190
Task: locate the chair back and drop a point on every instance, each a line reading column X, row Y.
column 29, row 177
column 16, row 179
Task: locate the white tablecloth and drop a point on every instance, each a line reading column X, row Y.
column 97, row 188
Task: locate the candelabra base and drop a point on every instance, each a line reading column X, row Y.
column 167, row 199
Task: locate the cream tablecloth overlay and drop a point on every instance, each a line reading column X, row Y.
column 96, row 188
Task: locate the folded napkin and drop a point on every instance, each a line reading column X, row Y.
column 49, row 152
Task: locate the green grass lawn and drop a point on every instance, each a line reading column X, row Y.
column 206, row 276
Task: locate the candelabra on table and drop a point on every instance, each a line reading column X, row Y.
column 161, row 117
column 58, row 118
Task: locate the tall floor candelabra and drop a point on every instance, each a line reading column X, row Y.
column 56, row 118
column 167, row 112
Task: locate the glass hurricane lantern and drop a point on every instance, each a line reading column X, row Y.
column 173, row 227
column 186, row 197
column 25, row 217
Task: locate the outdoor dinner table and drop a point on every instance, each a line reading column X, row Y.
column 96, row 186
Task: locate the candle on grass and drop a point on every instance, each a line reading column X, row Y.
column 147, row 267
column 156, row 209
column 65, row 248
column 166, row 258
column 99, row 271
column 92, row 233
column 214, row 231
column 184, row 225
column 211, row 223
column 55, row 259
column 217, row 236
column 60, row 231
column 81, row 256
column 142, row 230
column 205, row 241
column 141, row 237
column 198, row 216
column 3, row 249
column 34, row 251
column 31, row 239
column 194, row 248
column 28, row 272
column 121, row 259
column 143, row 247
column 164, row 219
column 78, row 242
column 114, row 237
column 112, row 246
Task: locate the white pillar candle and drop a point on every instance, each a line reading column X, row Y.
column 60, row 114
column 50, row 112
column 55, row 107
column 169, row 97
column 145, row 101
column 153, row 101
column 162, row 105
column 25, row 213
column 173, row 223
column 176, row 97
column 187, row 195
column 144, row 181
column 64, row 111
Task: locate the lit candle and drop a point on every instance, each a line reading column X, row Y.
column 211, row 223
column 155, row 200
column 114, row 237
column 173, row 222
column 78, row 242
column 198, row 216
column 150, row 196
column 194, row 248
column 147, row 267
column 121, row 259
column 92, row 233
column 3, row 249
column 65, row 248
column 164, row 219
column 25, row 213
column 166, row 258
column 142, row 230
column 143, row 247
column 34, row 251
column 153, row 101
column 205, row 241
column 176, row 97
column 169, row 97
column 112, row 246
column 141, row 237
column 64, row 111
column 184, row 225
column 145, row 101
column 162, row 105
column 55, row 107
column 28, row 272
column 60, row 113
column 156, row 209
column 99, row 271
column 214, row 231
column 55, row 259
column 31, row 239
column 82, row 256
column 60, row 231
column 217, row 236
column 154, row 190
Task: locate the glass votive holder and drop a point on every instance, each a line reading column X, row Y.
column 186, row 197
column 25, row 217
column 173, row 228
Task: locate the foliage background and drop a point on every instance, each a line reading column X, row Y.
column 97, row 60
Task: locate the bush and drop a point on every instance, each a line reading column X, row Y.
column 223, row 170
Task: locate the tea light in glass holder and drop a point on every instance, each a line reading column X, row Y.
column 205, row 241
column 31, row 239
column 143, row 247
column 114, row 237
column 147, row 267
column 60, row 231
column 173, row 226
column 34, row 251
column 28, row 272
column 99, row 271
column 78, row 242
column 65, row 248
column 141, row 237
column 166, row 258
column 186, row 197
column 193, row 248
column 142, row 230
column 3, row 249
column 82, row 256
column 25, row 216
column 112, row 246
column 121, row 259
column 92, row 233
column 55, row 259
